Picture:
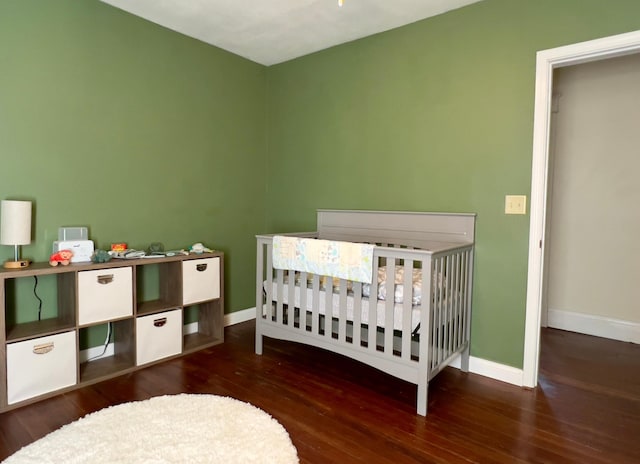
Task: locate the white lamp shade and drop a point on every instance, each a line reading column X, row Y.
column 15, row 222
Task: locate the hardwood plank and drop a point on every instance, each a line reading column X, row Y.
column 337, row 410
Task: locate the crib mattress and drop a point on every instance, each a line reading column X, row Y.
column 335, row 304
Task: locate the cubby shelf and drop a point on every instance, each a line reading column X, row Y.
column 41, row 328
column 210, row 327
column 189, row 288
column 104, row 368
column 155, row 306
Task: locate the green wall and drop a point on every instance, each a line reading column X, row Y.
column 434, row 116
column 142, row 134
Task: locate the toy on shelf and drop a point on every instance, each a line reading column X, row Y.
column 118, row 246
column 176, row 253
column 129, row 253
column 199, row 248
column 156, row 248
column 61, row 257
column 100, row 256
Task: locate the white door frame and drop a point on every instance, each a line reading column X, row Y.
column 546, row 62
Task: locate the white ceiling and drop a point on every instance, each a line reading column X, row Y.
column 273, row 31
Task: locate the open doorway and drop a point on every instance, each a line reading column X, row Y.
column 547, row 61
column 592, row 220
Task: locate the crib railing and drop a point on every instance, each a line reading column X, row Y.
column 433, row 326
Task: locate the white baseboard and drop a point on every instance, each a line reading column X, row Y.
column 493, row 370
column 598, row 326
column 190, row 328
column 237, row 317
column 229, row 319
column 96, row 352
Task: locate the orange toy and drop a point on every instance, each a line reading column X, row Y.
column 63, row 257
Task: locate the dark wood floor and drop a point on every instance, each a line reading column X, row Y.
column 585, row 410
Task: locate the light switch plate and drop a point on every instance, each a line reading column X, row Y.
column 515, row 204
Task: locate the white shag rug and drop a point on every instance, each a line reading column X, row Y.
column 167, row 429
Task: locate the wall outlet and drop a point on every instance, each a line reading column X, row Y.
column 515, row 204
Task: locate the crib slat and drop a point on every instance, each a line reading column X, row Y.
column 437, row 340
column 279, row 295
column 291, row 297
column 302, row 318
column 407, row 303
column 373, row 308
column 357, row 313
column 315, row 296
column 328, row 306
column 389, row 305
column 342, row 313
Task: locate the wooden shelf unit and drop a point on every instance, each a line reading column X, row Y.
column 157, row 288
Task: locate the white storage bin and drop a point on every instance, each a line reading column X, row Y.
column 158, row 336
column 200, row 280
column 104, row 295
column 40, row 365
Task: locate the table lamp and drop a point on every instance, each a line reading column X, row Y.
column 15, row 229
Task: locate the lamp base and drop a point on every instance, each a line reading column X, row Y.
column 17, row 264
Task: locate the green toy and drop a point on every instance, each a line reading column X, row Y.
column 100, row 256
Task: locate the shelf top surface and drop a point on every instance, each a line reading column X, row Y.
column 46, row 268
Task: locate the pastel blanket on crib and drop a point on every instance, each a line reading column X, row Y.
column 345, row 260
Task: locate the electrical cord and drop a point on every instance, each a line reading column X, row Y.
column 109, row 328
column 35, row 286
column 106, row 343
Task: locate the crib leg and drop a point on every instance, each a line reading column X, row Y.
column 423, row 391
column 258, row 342
column 464, row 360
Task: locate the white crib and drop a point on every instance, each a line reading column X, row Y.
column 420, row 320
